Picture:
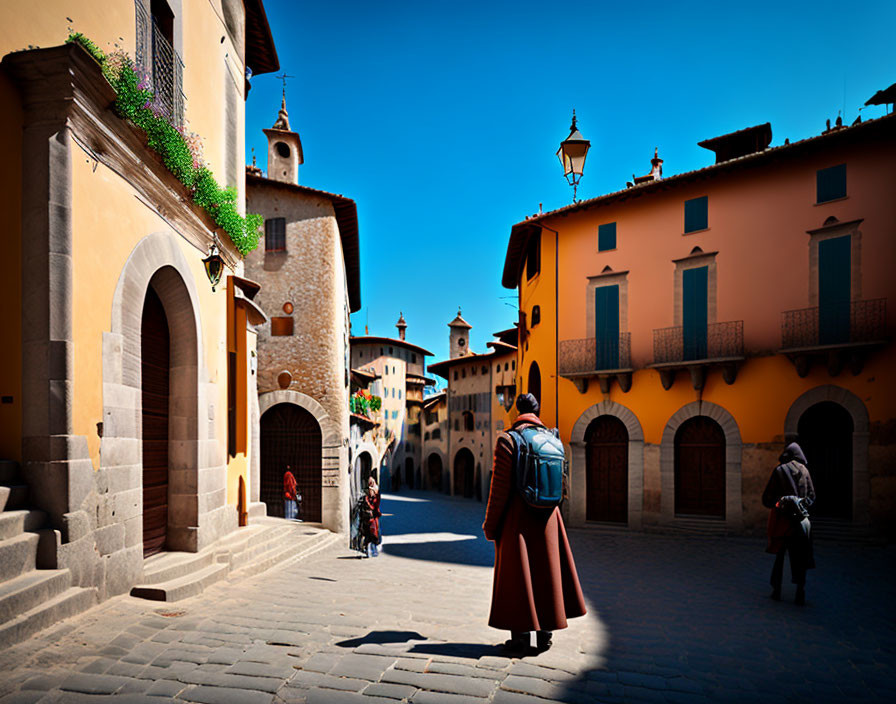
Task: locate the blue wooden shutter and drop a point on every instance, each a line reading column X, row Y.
column 833, row 290
column 830, row 183
column 606, row 332
column 694, row 311
column 696, row 214
column 606, row 237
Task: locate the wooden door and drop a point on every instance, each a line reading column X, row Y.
column 434, row 471
column 825, row 434
column 463, row 474
column 606, row 478
column 291, row 436
column 154, row 365
column 695, row 297
column 700, row 468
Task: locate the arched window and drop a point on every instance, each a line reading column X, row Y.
column 534, row 385
column 536, row 315
column 469, row 423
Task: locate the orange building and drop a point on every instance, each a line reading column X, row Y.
column 680, row 330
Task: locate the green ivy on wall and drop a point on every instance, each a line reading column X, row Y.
column 181, row 151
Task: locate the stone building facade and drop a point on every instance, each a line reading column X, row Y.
column 478, row 385
column 309, row 273
column 400, row 367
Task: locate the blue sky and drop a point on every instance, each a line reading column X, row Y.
column 441, row 120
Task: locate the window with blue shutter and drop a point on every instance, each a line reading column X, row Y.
column 834, row 284
column 606, row 237
column 696, row 214
column 606, row 321
column 830, row 183
column 695, row 299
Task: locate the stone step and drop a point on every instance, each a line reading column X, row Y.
column 9, row 472
column 283, row 551
column 70, row 602
column 272, row 538
column 168, row 566
column 26, row 591
column 182, row 587
column 18, row 555
column 13, row 496
column 13, row 523
column 839, row 531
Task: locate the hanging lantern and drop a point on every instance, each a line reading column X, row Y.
column 572, row 153
column 214, row 264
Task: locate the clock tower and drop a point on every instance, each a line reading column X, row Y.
column 459, row 337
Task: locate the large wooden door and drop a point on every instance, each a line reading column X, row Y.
column 154, row 365
column 606, row 479
column 700, row 468
column 434, row 471
column 291, row 436
column 825, row 434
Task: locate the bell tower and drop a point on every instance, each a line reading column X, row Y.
column 459, row 337
column 284, row 148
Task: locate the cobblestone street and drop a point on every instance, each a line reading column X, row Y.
column 671, row 619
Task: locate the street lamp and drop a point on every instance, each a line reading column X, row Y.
column 572, row 153
column 214, row 264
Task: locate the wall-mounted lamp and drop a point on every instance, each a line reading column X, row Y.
column 214, row 264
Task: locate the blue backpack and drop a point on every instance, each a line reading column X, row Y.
column 539, row 466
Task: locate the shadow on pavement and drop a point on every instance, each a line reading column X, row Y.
column 473, row 651
column 421, row 525
column 381, row 638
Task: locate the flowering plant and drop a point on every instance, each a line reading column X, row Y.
column 181, row 151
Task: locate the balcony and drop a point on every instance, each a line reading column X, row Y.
column 842, row 333
column 581, row 360
column 722, row 345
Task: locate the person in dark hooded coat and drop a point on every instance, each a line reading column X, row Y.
column 789, row 494
column 536, row 587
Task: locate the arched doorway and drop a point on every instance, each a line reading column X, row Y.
column 700, row 468
column 291, row 436
column 365, row 471
column 434, row 471
column 825, row 434
column 464, row 464
column 155, row 342
column 409, row 472
column 534, row 385
column 606, row 466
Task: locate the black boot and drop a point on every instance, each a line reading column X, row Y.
column 800, row 599
column 776, row 593
column 543, row 641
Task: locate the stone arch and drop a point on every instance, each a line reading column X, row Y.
column 861, row 482
column 635, row 460
column 158, row 261
column 431, row 457
column 733, row 456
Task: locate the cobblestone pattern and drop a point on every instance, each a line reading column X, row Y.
column 671, row 620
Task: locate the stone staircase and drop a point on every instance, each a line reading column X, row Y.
column 249, row 550
column 31, row 598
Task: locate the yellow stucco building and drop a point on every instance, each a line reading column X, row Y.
column 125, row 376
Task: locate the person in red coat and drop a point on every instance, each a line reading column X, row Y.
column 536, row 587
column 370, row 518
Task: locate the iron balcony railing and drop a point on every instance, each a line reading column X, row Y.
column 837, row 324
column 718, row 340
column 593, row 355
column 162, row 66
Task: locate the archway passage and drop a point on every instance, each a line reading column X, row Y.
column 606, row 477
column 825, row 434
column 291, row 436
column 700, row 468
column 155, row 341
column 434, row 472
column 463, row 473
column 409, row 472
column 365, row 471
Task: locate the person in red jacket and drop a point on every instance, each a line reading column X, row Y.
column 536, row 587
column 290, row 509
column 370, row 518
